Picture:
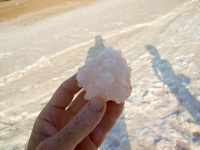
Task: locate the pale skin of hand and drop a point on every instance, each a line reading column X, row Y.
column 67, row 124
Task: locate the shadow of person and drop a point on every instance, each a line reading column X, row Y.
column 96, row 49
column 165, row 73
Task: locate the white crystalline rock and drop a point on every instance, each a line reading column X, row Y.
column 107, row 76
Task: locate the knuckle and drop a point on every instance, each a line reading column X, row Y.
column 79, row 122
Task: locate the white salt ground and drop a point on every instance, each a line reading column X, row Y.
column 160, row 41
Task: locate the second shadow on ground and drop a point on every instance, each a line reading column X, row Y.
column 176, row 83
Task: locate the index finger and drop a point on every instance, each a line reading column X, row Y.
column 65, row 93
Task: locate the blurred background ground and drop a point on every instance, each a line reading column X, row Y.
column 43, row 43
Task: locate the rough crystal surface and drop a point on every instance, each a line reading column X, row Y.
column 107, row 76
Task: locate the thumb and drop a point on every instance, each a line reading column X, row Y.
column 81, row 125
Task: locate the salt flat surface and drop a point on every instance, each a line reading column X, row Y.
column 160, row 41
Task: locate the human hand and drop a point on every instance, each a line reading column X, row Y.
column 64, row 124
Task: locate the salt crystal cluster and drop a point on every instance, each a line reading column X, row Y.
column 106, row 76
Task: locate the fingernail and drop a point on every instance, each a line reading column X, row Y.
column 96, row 104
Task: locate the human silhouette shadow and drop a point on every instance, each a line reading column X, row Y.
column 119, row 130
column 96, row 49
column 176, row 83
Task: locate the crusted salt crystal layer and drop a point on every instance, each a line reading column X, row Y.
column 107, row 76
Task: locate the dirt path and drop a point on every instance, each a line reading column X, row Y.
column 10, row 9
